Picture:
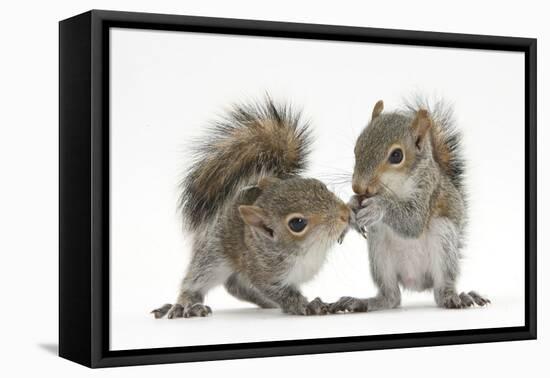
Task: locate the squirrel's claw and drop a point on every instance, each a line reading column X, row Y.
column 161, row 311
column 342, row 236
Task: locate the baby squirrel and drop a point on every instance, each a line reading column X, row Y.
column 258, row 227
column 410, row 205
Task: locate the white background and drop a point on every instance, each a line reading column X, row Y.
column 166, row 86
column 29, row 192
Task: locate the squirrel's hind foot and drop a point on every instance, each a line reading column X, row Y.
column 479, row 300
column 161, row 311
column 464, row 300
column 182, row 311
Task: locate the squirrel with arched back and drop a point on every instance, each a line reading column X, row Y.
column 259, row 228
column 410, row 204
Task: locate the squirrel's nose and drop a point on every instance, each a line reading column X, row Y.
column 371, row 191
column 364, row 190
column 359, row 188
column 345, row 214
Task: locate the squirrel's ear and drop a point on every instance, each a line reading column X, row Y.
column 421, row 124
column 266, row 182
column 255, row 217
column 378, row 107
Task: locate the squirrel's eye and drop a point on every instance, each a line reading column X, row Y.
column 297, row 224
column 396, row 156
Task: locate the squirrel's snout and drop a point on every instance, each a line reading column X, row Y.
column 345, row 218
column 345, row 214
column 364, row 189
column 358, row 188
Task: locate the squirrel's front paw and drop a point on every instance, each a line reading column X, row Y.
column 349, row 304
column 315, row 307
column 354, row 202
column 371, row 212
column 182, row 311
column 296, row 309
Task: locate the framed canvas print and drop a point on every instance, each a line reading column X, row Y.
column 236, row 188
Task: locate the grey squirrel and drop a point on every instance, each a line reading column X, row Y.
column 259, row 228
column 410, row 205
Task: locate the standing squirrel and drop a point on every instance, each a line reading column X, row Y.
column 259, row 228
column 410, row 205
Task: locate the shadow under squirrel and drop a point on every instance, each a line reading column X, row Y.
column 259, row 228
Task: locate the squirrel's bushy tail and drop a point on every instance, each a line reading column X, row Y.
column 446, row 139
column 252, row 141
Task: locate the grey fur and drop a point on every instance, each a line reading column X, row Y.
column 442, row 114
column 241, row 288
column 227, row 163
column 415, row 221
column 237, row 200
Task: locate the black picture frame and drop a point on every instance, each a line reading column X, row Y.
column 84, row 187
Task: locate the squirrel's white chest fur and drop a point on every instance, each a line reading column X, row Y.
column 413, row 262
column 306, row 266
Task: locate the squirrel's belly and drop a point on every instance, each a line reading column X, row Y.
column 412, row 267
column 410, row 259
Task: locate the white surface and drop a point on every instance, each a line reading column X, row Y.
column 166, row 86
column 28, row 194
column 251, row 324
